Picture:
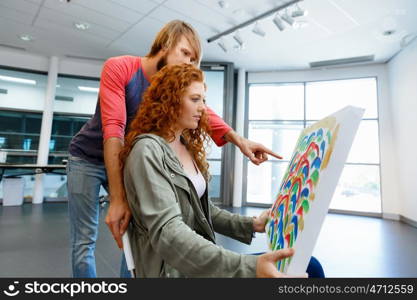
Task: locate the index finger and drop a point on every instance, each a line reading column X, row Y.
column 270, row 152
column 115, row 230
column 119, row 241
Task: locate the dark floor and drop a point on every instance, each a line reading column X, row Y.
column 34, row 242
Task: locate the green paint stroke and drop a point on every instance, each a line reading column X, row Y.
column 315, row 177
column 306, row 206
column 329, row 137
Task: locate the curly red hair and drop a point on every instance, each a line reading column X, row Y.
column 160, row 111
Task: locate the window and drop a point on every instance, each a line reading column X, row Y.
column 63, row 129
column 23, row 92
column 19, row 136
column 358, row 188
column 278, row 112
column 76, row 95
column 21, row 102
column 276, row 118
column 215, row 98
column 75, row 102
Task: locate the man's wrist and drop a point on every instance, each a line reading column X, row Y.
column 119, row 197
column 232, row 137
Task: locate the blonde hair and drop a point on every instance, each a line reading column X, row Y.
column 171, row 33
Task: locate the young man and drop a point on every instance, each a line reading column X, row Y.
column 94, row 151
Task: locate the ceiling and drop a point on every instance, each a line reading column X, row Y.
column 335, row 29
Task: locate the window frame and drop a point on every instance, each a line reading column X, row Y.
column 305, row 121
column 227, row 153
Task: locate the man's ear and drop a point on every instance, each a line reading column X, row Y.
column 164, row 50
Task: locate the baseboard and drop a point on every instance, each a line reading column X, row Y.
column 400, row 218
column 408, row 221
column 355, row 213
column 390, row 216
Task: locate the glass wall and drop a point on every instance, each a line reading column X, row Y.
column 22, row 96
column 75, row 102
column 215, row 99
column 19, row 136
column 278, row 112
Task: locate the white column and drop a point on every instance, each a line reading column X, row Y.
column 46, row 128
column 240, row 118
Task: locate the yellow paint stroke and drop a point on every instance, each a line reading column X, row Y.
column 289, row 229
column 331, row 148
column 312, row 196
column 301, row 224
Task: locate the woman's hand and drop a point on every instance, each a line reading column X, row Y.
column 260, row 221
column 266, row 266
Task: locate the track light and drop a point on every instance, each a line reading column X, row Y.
column 278, row 22
column 222, row 45
column 238, row 39
column 299, row 12
column 223, row 4
column 288, row 19
column 258, row 30
column 284, row 13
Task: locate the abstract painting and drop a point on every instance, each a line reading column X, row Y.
column 308, row 185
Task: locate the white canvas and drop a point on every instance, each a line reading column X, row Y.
column 308, row 186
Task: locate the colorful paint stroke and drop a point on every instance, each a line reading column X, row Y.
column 297, row 192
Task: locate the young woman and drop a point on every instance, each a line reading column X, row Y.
column 165, row 177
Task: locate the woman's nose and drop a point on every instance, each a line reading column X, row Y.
column 202, row 107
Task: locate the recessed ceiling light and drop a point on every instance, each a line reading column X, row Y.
column 26, row 37
column 81, row 25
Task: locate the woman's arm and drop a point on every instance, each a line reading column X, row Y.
column 236, row 226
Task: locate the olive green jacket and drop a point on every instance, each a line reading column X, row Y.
column 172, row 230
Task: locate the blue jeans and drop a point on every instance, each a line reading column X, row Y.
column 84, row 180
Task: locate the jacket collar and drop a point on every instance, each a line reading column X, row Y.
column 172, row 160
column 174, row 163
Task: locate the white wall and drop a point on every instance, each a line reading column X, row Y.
column 402, row 74
column 389, row 190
